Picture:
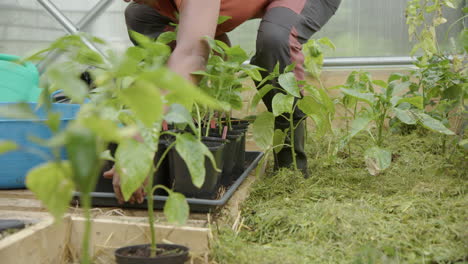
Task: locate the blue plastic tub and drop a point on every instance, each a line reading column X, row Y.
column 14, row 166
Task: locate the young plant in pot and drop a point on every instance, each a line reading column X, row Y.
column 225, row 78
column 126, row 107
column 288, row 99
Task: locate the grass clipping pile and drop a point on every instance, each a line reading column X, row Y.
column 415, row 212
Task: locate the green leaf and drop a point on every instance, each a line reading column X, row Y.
column 278, row 140
column 259, row 95
column 397, row 87
column 450, row 3
column 83, row 152
column 133, row 163
column 7, row 146
column 179, row 87
column 433, row 124
column 106, row 155
column 254, row 73
column 144, row 99
column 365, row 97
column 178, row 114
column 282, row 103
column 52, row 184
column 417, row 101
column 129, row 64
column 359, row 124
column 327, row 42
column 176, row 209
column 405, row 116
column 167, row 37
column 222, row 19
column 289, row 83
column 380, row 83
column 67, row 78
column 104, row 128
column 193, row 152
column 17, row 111
column 377, row 160
column 309, row 105
column 263, row 128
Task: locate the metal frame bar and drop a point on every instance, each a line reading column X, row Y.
column 70, row 27
column 344, row 62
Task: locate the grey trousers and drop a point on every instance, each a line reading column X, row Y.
column 285, row 26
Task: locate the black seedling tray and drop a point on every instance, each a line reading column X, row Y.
column 107, row 199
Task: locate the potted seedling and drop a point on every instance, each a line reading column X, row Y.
column 288, row 99
column 127, row 101
column 225, row 78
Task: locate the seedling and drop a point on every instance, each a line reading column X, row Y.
column 127, row 100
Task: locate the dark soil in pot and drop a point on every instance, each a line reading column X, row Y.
column 140, row 254
column 181, row 180
column 160, row 177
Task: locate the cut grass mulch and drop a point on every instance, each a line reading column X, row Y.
column 415, row 212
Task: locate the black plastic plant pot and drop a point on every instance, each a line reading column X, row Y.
column 181, row 180
column 231, row 154
column 160, row 177
column 6, row 224
column 140, row 254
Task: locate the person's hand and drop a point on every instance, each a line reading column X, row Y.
column 138, row 196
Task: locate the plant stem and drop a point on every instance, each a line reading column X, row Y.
column 86, row 203
column 207, row 133
column 293, row 148
column 149, row 199
column 380, row 128
column 199, row 122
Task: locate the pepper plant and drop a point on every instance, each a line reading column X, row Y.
column 379, row 104
column 225, row 79
column 128, row 100
column 316, row 104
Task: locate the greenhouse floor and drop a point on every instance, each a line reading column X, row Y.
column 415, row 212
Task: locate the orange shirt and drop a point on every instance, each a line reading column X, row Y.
column 239, row 11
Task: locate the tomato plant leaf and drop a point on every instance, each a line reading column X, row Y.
column 167, row 37
column 278, row 140
column 7, row 146
column 405, row 116
column 144, row 99
column 259, row 95
column 377, row 160
column 263, row 128
column 417, row 101
column 282, row 103
column 365, row 97
column 178, row 114
column 66, row 78
column 176, row 209
column 52, row 184
column 433, row 124
column 133, row 163
column 289, row 83
column 309, row 105
column 193, row 152
column 83, row 152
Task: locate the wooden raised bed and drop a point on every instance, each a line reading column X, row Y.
column 58, row 243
